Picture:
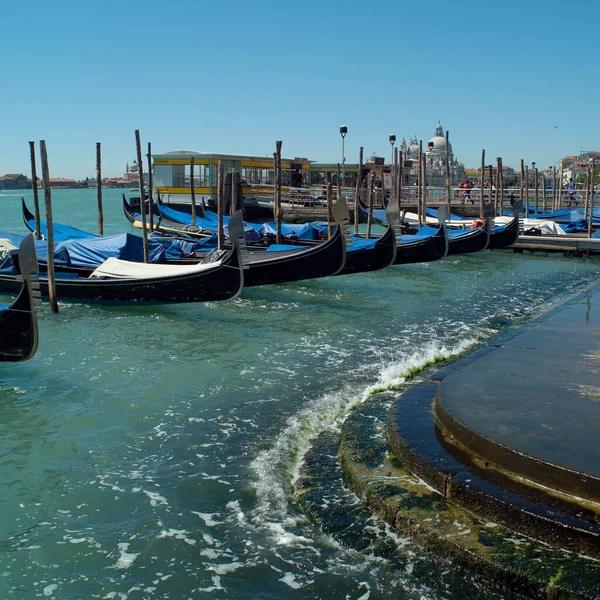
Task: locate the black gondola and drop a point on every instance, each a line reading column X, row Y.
column 467, row 241
column 424, row 249
column 265, row 267
column 380, row 255
column 18, row 320
column 506, row 237
column 218, row 277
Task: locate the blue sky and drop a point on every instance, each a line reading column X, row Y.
column 516, row 78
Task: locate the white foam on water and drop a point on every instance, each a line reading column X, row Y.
column 178, row 534
column 156, row 498
column 126, row 558
column 225, row 568
column 207, row 518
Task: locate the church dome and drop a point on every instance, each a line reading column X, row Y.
column 436, row 146
column 413, row 149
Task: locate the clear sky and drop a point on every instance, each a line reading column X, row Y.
column 519, row 79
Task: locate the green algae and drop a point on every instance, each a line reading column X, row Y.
column 513, row 561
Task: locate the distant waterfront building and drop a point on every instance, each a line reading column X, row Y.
column 14, row 181
column 435, row 160
column 575, row 166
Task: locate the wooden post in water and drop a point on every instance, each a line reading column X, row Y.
column 553, row 188
column 36, row 202
column 587, row 197
column 400, row 176
column 560, row 184
column 593, row 189
column 370, row 185
column 526, row 191
column 544, row 203
column 357, row 194
column 142, row 201
column 329, row 191
column 220, row 189
column 491, row 180
column 522, row 184
column 236, row 183
column 482, row 199
column 99, row 188
column 192, row 191
column 420, row 186
column 448, row 199
column 278, row 214
column 49, row 227
column 500, row 186
column 537, row 186
column 150, row 189
column 424, row 190
column 396, row 178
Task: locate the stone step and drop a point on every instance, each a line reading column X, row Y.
column 494, row 554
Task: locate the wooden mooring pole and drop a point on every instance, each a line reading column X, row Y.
column 192, row 191
column 142, row 199
column 491, row 180
column 448, row 199
column 420, row 186
column 500, row 187
column 482, row 199
column 526, row 191
column 220, row 194
column 236, row 188
column 357, row 194
column 553, row 188
column 537, row 187
column 400, row 176
column 36, row 201
column 99, row 188
column 278, row 214
column 593, row 189
column 49, row 227
column 396, row 178
column 329, row 192
column 560, row 185
column 370, row 185
column 150, row 189
column 522, row 186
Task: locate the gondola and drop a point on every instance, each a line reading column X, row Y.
column 505, row 236
column 467, row 241
column 422, row 248
column 275, row 264
column 18, row 320
column 461, row 241
column 371, row 254
column 218, row 277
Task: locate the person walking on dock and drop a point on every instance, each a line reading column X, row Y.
column 570, row 192
column 467, row 195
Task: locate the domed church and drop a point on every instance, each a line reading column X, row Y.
column 435, row 160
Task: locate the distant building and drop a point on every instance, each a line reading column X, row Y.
column 435, row 160
column 61, row 182
column 15, row 181
column 576, row 166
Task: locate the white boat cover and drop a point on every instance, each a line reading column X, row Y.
column 124, row 269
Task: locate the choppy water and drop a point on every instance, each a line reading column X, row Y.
column 151, row 452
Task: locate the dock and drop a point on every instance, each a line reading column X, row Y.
column 493, row 460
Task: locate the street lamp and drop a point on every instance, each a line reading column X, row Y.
column 343, row 132
column 392, row 139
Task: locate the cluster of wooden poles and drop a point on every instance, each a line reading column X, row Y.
column 230, row 186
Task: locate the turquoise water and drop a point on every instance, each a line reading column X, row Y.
column 150, row 452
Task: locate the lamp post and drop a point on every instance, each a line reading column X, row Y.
column 392, row 139
column 343, row 132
